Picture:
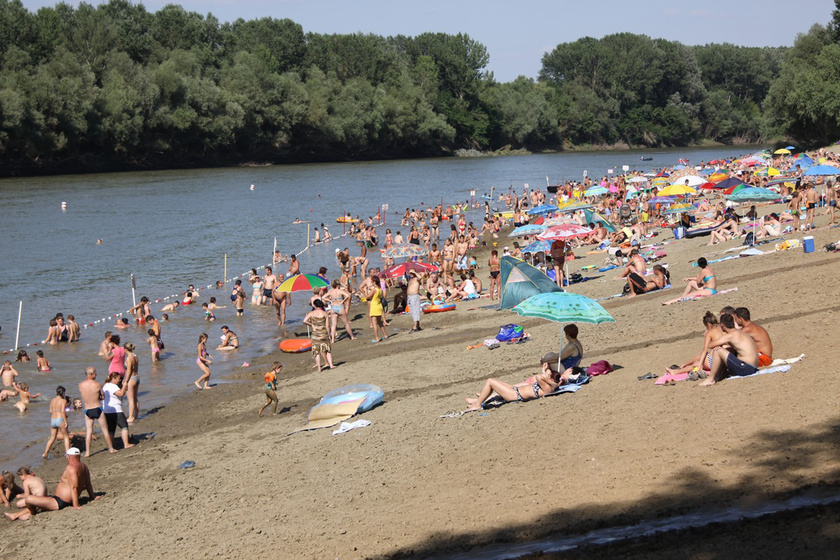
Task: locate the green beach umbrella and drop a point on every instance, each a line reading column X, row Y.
column 564, row 307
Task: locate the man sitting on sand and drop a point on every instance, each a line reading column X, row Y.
column 74, row 479
column 757, row 333
column 740, row 359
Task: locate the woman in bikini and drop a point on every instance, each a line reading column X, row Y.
column 704, row 284
column 203, row 361
column 339, row 301
column 702, row 361
column 535, row 387
column 154, row 343
column 640, row 285
column 448, row 257
column 58, row 421
column 131, row 370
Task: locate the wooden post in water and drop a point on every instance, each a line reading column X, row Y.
column 224, row 278
column 17, row 335
column 274, row 252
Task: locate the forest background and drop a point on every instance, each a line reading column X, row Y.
column 115, row 87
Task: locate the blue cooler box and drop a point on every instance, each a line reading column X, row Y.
column 808, row 243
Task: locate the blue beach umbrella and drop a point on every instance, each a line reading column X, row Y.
column 822, row 170
column 596, row 191
column 753, row 194
column 528, row 229
column 538, row 246
column 542, row 209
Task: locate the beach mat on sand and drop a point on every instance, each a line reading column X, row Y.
column 328, row 415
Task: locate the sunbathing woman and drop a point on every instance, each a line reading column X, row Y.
column 704, row 359
column 772, row 227
column 572, row 352
column 704, row 284
column 640, row 285
column 543, row 383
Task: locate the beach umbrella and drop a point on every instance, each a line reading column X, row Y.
column 690, row 180
column 542, row 209
column 735, row 188
column 398, row 270
column 564, row 307
column 708, row 186
column 822, row 170
column 613, row 189
column 680, row 208
column 677, row 190
column 595, row 191
column 537, row 247
column 527, row 229
column 573, row 206
column 753, row 194
column 638, row 180
column 661, row 200
column 790, row 148
column 782, row 151
column 405, row 250
column 564, row 231
column 302, row 283
column 727, row 183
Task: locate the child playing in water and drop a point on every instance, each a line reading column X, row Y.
column 23, row 357
column 213, row 306
column 154, row 344
column 271, row 387
column 43, row 362
column 24, row 395
column 208, row 314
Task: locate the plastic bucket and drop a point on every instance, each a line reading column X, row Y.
column 679, row 233
column 808, row 243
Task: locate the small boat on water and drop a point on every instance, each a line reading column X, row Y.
column 646, row 158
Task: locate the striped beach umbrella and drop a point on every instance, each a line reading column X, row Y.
column 302, row 283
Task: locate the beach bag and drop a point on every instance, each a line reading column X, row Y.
column 601, row 367
column 509, row 332
column 750, row 239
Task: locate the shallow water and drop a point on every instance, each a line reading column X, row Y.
column 173, row 228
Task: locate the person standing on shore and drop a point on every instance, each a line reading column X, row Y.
column 132, row 365
column 317, row 319
column 203, row 362
column 91, row 392
column 373, row 292
column 811, row 197
column 413, row 297
column 58, row 421
column 339, row 300
column 112, row 406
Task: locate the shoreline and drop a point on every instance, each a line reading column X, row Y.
column 413, row 484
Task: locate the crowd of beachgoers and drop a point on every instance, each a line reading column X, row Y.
column 430, row 261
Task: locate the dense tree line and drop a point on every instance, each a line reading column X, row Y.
column 115, row 87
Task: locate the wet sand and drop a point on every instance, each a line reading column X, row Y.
column 618, row 451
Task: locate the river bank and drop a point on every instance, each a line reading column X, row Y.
column 413, row 484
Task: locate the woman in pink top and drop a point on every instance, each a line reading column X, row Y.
column 117, row 356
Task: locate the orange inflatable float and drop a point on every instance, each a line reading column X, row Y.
column 296, row 345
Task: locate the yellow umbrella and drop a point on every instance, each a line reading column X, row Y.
column 677, row 190
column 772, row 171
column 781, row 151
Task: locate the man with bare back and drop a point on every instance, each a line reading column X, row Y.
column 91, row 392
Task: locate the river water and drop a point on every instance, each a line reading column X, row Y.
column 173, row 228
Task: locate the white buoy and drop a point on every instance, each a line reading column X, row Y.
column 63, row 206
column 252, row 187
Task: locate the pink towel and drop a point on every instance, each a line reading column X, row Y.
column 668, row 377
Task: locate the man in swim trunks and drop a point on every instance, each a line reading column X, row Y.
column 91, row 392
column 74, row 479
column 461, row 249
column 740, row 359
column 269, row 282
column 413, row 297
column 811, row 197
column 757, row 333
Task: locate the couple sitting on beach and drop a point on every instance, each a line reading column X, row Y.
column 733, row 345
column 637, row 282
column 557, row 370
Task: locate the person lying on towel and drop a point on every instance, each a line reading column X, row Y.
column 534, row 387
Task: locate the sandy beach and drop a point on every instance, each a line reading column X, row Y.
column 412, row 484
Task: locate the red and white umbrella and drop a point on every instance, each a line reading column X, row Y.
column 564, row 231
column 397, row 270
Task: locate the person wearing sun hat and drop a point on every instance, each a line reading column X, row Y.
column 74, row 479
